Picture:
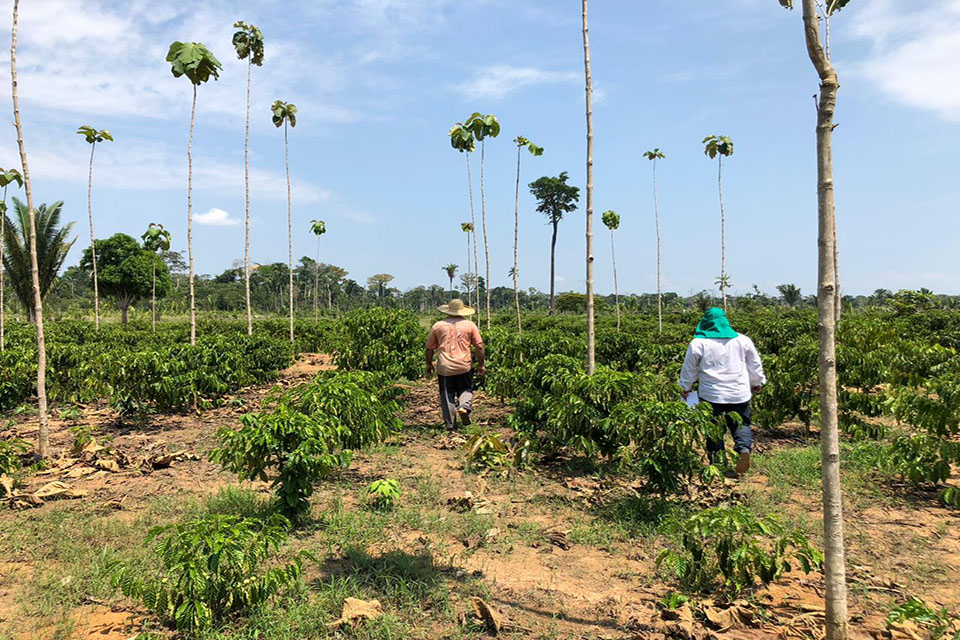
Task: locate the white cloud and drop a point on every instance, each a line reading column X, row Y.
column 496, row 82
column 215, row 218
column 915, row 52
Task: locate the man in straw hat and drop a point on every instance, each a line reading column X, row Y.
column 730, row 373
column 452, row 339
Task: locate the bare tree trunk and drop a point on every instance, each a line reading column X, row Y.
column 834, row 567
column 476, row 255
column 616, row 287
column 316, row 284
column 93, row 244
column 193, row 299
column 656, row 216
column 286, row 160
column 153, row 297
column 516, row 254
column 553, row 270
column 3, row 299
column 246, row 188
column 467, row 279
column 483, row 218
column 43, row 440
column 723, row 235
column 591, row 353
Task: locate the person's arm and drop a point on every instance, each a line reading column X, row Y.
column 429, row 359
column 479, row 350
column 754, row 367
column 432, row 344
column 689, row 371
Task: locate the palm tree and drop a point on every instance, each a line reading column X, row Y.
column 198, row 64
column 317, row 228
column 484, row 126
column 719, row 147
column 155, row 239
column 30, row 238
column 833, row 548
column 653, row 156
column 286, row 113
column 612, row 221
column 52, row 246
column 93, row 136
column 467, row 228
column 554, row 199
column 451, row 270
column 463, row 140
column 535, row 150
column 790, row 293
column 248, row 43
column 7, row 176
column 591, row 351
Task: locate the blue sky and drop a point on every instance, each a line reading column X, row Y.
column 379, row 82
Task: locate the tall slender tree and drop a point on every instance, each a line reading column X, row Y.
column 7, row 177
column 285, row 113
column 588, row 85
column 653, row 156
column 463, row 140
column 248, row 43
column 317, row 228
column 534, row 150
column 468, row 228
column 451, row 270
column 833, row 546
column 483, row 127
column 198, row 64
column 555, row 198
column 155, row 239
column 43, row 435
column 611, row 220
column 720, row 147
column 93, row 136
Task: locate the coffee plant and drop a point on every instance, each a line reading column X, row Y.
column 10, row 453
column 732, row 546
column 385, row 340
column 382, row 495
column 210, row 569
column 938, row 623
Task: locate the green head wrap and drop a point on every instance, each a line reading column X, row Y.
column 714, row 324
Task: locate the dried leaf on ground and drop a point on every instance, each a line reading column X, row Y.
column 356, row 611
column 482, row 615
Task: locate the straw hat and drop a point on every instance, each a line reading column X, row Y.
column 456, row 308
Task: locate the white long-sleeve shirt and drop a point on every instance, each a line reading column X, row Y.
column 727, row 369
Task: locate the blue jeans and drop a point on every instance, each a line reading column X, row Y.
column 740, row 430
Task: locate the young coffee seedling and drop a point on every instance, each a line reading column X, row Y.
column 938, row 622
column 382, row 495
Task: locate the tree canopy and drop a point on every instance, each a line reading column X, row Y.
column 555, row 197
column 125, row 271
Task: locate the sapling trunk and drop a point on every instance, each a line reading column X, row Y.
column 723, row 234
column 3, row 299
column 476, row 254
column 286, row 161
column 483, row 220
column 591, row 350
column 93, row 244
column 656, row 216
column 246, row 189
column 616, row 286
column 43, row 439
column 193, row 299
column 516, row 254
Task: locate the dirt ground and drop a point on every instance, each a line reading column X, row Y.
column 551, row 549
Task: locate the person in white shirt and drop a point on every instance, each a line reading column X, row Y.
column 730, row 373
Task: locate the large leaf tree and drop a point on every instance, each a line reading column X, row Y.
column 653, row 156
column 52, row 245
column 30, row 248
column 92, row 136
column 484, row 126
column 156, row 239
column 463, row 140
column 197, row 64
column 833, row 546
column 127, row 270
column 720, row 147
column 555, row 198
column 284, row 114
column 535, row 150
column 248, row 43
column 7, row 177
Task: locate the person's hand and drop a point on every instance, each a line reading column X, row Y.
column 756, row 390
column 429, row 370
column 684, row 394
column 482, row 370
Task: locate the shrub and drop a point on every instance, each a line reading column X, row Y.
column 210, row 569
column 383, row 494
column 10, row 452
column 386, row 340
column 732, row 544
column 938, row 622
column 299, row 448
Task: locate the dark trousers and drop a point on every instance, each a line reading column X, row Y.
column 739, row 429
column 456, row 392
